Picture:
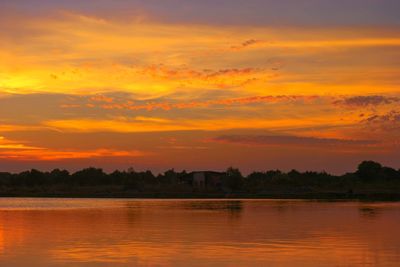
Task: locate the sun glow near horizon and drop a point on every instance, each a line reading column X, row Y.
column 142, row 86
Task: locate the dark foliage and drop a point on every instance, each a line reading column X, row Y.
column 369, row 177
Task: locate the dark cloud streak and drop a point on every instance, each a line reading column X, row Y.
column 282, row 140
column 234, row 12
column 365, row 101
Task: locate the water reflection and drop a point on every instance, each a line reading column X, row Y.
column 197, row 233
column 233, row 205
column 370, row 212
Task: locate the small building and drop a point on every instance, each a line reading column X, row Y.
column 199, row 179
column 204, row 180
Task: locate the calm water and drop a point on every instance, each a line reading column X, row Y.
column 102, row 232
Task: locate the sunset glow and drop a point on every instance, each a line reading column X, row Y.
column 131, row 83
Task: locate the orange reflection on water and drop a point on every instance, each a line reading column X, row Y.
column 198, row 233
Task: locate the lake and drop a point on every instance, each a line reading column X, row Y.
column 125, row 232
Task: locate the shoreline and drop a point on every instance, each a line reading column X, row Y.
column 233, row 196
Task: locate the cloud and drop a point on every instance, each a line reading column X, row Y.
column 44, row 154
column 142, row 124
column 8, row 145
column 206, row 78
column 102, row 98
column 154, row 105
column 83, row 53
column 233, row 12
column 185, row 77
column 365, row 101
column 288, row 140
column 122, row 125
column 19, row 127
column 169, row 72
column 247, row 43
column 15, row 150
column 389, row 121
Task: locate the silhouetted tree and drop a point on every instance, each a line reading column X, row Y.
column 234, row 179
column 89, row 176
column 390, row 173
column 170, row 177
column 369, row 170
column 58, row 176
column 369, row 176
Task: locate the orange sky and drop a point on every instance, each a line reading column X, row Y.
column 83, row 86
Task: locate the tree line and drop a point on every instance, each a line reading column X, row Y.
column 369, row 176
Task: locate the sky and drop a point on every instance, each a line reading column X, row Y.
column 194, row 85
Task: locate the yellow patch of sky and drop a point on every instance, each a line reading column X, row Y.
column 78, row 54
column 16, row 150
column 53, row 155
column 144, row 124
column 12, row 145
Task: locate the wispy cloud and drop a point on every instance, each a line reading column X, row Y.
column 15, row 150
column 365, row 101
column 246, row 44
column 81, row 53
column 289, row 140
column 27, row 154
column 152, row 124
column 86, row 74
column 8, row 145
column 389, row 121
column 111, row 103
column 19, row 127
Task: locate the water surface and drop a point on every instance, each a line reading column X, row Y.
column 120, row 232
